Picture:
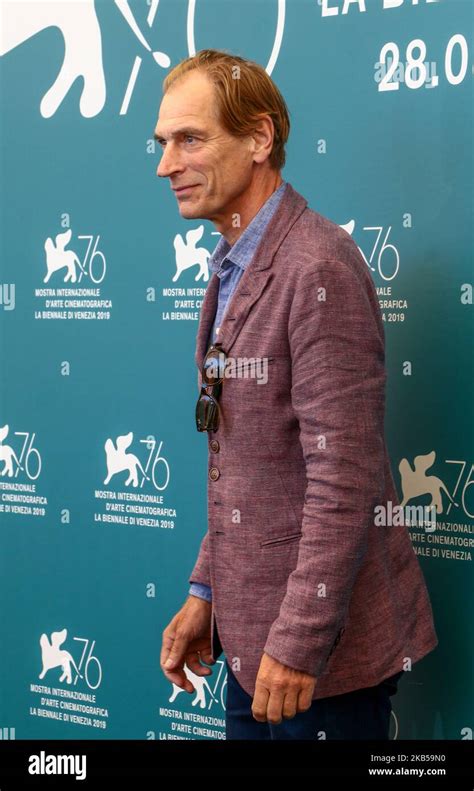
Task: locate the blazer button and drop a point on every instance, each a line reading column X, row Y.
column 214, row 473
column 214, row 445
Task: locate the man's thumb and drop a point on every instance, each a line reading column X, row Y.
column 174, row 656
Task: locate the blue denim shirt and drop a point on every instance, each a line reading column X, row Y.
column 229, row 262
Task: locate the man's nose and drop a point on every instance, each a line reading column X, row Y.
column 169, row 162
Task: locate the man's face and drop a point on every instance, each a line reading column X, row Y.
column 198, row 153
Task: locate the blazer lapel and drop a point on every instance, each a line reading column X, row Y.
column 253, row 281
column 206, row 317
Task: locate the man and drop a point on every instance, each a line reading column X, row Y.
column 318, row 609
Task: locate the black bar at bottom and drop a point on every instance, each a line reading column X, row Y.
column 37, row 762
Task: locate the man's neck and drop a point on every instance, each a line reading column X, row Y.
column 246, row 207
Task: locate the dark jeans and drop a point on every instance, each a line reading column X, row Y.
column 361, row 714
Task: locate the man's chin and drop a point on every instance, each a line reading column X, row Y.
column 188, row 211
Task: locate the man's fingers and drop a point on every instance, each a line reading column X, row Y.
column 280, row 691
column 305, row 698
column 176, row 652
column 179, row 647
column 179, row 678
column 206, row 656
column 290, row 704
column 259, row 704
column 193, row 661
column 275, row 706
column 168, row 637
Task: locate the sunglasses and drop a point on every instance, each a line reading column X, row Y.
column 207, row 407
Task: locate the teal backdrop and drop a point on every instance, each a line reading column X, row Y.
column 103, row 474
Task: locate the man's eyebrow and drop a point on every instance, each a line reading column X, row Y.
column 188, row 130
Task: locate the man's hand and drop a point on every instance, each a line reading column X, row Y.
column 280, row 691
column 187, row 639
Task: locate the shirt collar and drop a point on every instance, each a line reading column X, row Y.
column 242, row 251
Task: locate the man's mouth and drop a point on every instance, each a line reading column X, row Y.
column 182, row 190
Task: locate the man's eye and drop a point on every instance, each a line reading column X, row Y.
column 190, row 137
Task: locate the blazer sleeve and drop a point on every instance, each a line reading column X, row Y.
column 336, row 339
column 201, row 572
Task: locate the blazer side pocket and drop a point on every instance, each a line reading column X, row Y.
column 269, row 542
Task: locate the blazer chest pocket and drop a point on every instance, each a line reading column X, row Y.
column 242, row 369
column 270, row 542
column 250, row 362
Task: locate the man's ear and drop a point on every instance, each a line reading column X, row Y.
column 262, row 139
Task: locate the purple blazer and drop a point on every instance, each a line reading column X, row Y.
column 297, row 566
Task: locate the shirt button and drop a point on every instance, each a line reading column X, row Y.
column 214, row 445
column 214, row 473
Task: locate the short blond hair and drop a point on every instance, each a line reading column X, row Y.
column 244, row 93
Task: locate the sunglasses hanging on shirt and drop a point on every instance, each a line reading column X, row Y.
column 207, row 407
